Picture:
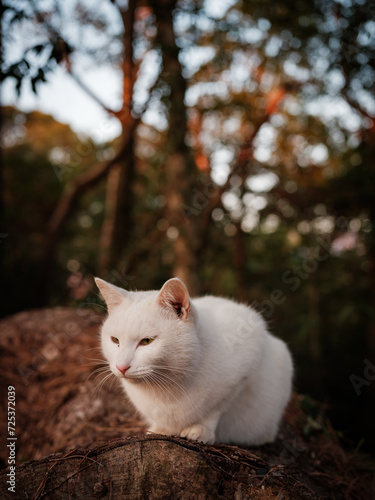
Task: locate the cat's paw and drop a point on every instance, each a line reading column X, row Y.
column 199, row 433
column 154, row 429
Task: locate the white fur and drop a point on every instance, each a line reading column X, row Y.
column 213, row 373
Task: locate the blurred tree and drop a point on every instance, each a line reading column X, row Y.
column 250, row 63
column 40, row 156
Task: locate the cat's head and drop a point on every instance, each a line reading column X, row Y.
column 149, row 336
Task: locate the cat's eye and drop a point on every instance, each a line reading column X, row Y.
column 146, row 341
column 115, row 340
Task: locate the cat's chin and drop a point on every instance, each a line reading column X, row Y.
column 134, row 379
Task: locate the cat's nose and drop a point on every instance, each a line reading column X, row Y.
column 123, row 368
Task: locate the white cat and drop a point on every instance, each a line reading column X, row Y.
column 205, row 369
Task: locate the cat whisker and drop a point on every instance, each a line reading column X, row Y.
column 101, row 380
column 158, row 384
column 99, row 371
column 97, row 348
column 174, row 369
column 98, row 351
column 166, row 380
column 100, row 385
column 96, row 362
column 164, row 388
column 112, row 381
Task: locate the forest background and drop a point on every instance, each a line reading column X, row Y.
column 244, row 164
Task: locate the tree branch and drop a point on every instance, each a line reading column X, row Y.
column 88, row 91
column 128, row 67
column 240, row 164
column 355, row 105
column 55, row 37
column 87, row 180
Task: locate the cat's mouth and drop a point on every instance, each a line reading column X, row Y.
column 136, row 379
column 132, row 377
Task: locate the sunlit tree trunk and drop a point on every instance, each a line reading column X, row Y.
column 179, row 166
column 124, row 217
column 106, row 242
column 116, row 227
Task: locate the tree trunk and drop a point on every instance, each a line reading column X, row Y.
column 48, row 359
column 161, row 467
column 154, row 467
column 125, row 223
column 67, row 202
column 108, row 227
column 116, row 228
column 179, row 167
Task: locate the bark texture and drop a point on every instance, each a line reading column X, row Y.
column 156, row 467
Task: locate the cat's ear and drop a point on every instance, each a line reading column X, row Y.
column 113, row 295
column 175, row 297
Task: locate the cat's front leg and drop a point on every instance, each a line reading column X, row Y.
column 155, row 429
column 203, row 432
column 198, row 432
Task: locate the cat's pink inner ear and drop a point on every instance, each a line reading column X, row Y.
column 174, row 295
column 111, row 294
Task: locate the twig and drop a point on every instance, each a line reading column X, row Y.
column 42, row 485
